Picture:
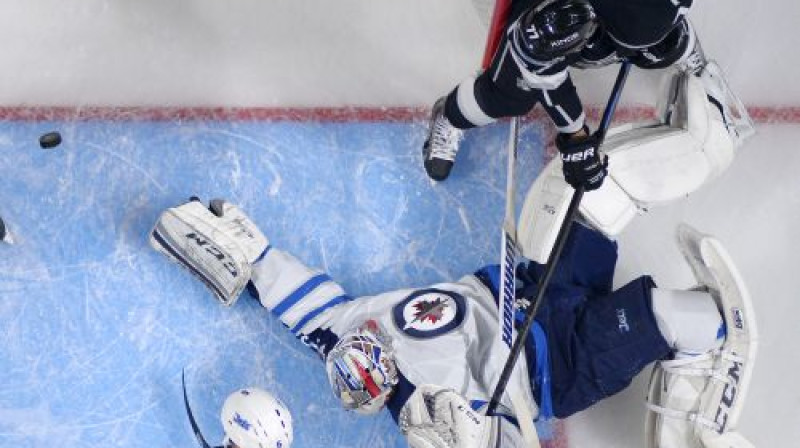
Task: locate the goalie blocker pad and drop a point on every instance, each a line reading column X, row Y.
column 695, row 404
column 219, row 248
column 702, row 124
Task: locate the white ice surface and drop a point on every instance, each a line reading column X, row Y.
column 318, row 53
column 205, row 52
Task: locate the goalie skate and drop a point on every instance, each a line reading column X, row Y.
column 696, row 401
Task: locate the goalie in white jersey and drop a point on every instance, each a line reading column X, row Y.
column 427, row 354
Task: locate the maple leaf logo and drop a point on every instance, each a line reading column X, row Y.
column 429, row 310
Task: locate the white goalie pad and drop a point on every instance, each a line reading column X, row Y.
column 219, row 248
column 542, row 212
column 546, row 204
column 696, row 401
column 702, row 123
column 435, row 417
column 657, row 164
column 735, row 116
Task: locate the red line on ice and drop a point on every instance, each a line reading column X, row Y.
column 761, row 114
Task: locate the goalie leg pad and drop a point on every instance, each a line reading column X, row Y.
column 697, row 401
column 219, row 248
column 737, row 121
column 608, row 209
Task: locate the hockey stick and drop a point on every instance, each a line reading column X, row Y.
column 496, row 27
column 508, row 261
column 561, row 239
column 508, row 251
column 200, row 439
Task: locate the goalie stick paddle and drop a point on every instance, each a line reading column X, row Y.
column 200, row 439
column 508, row 248
column 572, row 212
column 505, row 310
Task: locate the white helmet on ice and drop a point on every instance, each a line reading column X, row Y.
column 361, row 369
column 254, row 418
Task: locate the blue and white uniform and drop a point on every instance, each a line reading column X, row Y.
column 587, row 343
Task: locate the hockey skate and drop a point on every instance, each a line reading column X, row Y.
column 695, row 401
column 441, row 146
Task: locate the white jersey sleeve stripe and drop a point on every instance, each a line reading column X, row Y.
column 300, row 293
column 310, row 316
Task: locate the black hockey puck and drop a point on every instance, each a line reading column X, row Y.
column 50, row 140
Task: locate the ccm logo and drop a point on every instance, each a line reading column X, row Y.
column 728, row 396
column 215, row 252
column 578, row 156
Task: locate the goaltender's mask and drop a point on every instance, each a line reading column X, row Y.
column 361, row 369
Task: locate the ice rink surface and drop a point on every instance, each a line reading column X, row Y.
column 97, row 327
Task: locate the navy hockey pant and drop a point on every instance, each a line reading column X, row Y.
column 597, row 340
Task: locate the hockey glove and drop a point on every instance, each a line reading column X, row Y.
column 582, row 162
column 218, row 244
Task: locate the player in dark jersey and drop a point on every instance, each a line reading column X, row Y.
column 530, row 66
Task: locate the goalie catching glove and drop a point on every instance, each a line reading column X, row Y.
column 217, row 244
column 436, row 417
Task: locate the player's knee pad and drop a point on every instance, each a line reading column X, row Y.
column 217, row 244
column 696, row 401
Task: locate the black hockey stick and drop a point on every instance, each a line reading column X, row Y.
column 200, row 439
column 555, row 253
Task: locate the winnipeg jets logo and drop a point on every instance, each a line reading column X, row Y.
column 432, row 311
column 429, row 313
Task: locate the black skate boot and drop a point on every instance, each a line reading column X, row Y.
column 441, row 146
